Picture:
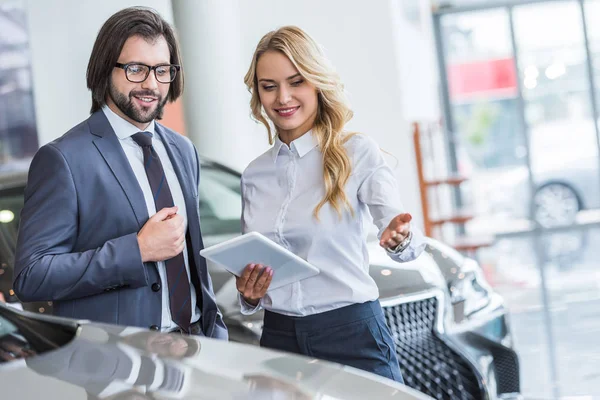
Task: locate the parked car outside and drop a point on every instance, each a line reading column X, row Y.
column 563, row 189
column 565, row 175
column 451, row 329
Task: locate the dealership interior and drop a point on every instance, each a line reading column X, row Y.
column 488, row 112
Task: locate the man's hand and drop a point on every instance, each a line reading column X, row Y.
column 396, row 231
column 254, row 282
column 2, row 299
column 162, row 236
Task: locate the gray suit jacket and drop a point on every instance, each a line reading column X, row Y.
column 77, row 244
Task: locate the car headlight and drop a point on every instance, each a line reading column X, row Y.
column 469, row 292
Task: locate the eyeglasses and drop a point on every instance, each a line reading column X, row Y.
column 137, row 73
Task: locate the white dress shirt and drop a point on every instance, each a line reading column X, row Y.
column 124, row 130
column 281, row 189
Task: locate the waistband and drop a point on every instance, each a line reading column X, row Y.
column 338, row 316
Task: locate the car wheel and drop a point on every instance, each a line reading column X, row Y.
column 555, row 204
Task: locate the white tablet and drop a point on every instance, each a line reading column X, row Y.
column 254, row 248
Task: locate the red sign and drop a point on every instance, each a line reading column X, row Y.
column 489, row 78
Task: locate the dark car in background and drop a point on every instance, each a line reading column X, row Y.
column 451, row 329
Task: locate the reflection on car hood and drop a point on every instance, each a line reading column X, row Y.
column 111, row 362
column 394, row 278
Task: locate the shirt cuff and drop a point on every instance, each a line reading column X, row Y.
column 248, row 309
column 413, row 250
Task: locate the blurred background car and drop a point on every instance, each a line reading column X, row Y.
column 565, row 175
column 451, row 329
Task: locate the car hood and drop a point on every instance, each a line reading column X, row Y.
column 112, row 362
column 395, row 279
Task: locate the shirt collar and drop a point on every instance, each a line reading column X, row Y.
column 303, row 145
column 123, row 129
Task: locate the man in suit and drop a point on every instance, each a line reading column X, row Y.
column 110, row 229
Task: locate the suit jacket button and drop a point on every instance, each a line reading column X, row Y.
column 155, row 287
column 154, row 327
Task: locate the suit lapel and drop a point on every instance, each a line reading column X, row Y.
column 189, row 189
column 178, row 160
column 108, row 145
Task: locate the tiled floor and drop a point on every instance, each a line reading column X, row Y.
column 557, row 335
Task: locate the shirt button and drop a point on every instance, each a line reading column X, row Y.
column 153, row 327
column 155, row 287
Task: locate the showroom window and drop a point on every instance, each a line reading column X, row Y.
column 520, row 97
column 18, row 132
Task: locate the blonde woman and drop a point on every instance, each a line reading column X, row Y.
column 310, row 193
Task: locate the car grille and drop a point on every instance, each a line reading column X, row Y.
column 506, row 367
column 427, row 363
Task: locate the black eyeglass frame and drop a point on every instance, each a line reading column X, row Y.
column 125, row 66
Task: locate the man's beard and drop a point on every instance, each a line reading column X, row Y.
column 127, row 107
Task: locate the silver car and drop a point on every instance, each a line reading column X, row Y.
column 451, row 329
column 565, row 174
column 44, row 357
column 560, row 192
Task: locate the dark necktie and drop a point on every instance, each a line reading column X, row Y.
column 179, row 287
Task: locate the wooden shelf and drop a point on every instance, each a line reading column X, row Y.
column 466, row 243
column 449, row 180
column 431, row 192
column 461, row 217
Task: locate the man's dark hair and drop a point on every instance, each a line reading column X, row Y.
column 134, row 21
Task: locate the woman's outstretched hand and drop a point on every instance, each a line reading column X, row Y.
column 396, row 231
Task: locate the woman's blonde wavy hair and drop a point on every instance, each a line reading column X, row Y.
column 333, row 111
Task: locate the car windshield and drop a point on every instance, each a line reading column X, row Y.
column 220, row 201
column 23, row 336
column 11, row 202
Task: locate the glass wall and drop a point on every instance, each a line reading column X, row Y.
column 18, row 134
column 487, row 134
column 521, row 114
